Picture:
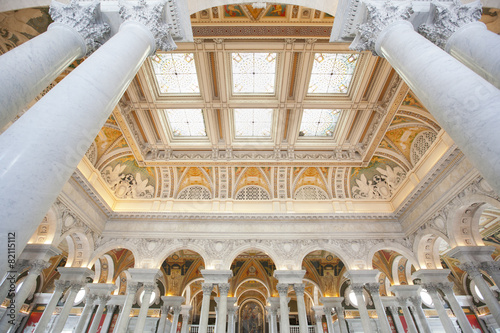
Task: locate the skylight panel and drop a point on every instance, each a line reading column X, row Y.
column 253, row 122
column 318, row 122
column 186, row 122
column 332, row 73
column 176, row 73
column 254, row 73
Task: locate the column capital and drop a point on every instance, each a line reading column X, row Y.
column 37, row 266
column 150, row 16
column 373, row 288
column 446, row 287
column 90, row 298
column 76, row 286
column 402, row 301
column 207, row 288
column 103, row 299
column 84, row 19
column 62, row 284
column 299, row 289
column 224, row 289
column 431, row 288
column 357, row 287
column 490, row 267
column 132, row 287
column 149, row 286
column 472, row 268
column 379, row 15
column 416, row 300
column 445, row 20
column 282, row 289
column 177, row 310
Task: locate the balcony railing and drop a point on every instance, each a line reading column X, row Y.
column 293, row 329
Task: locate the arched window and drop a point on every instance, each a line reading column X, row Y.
column 310, row 192
column 195, row 192
column 252, row 192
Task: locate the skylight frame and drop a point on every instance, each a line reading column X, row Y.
column 276, row 59
column 194, row 75
column 253, row 137
column 320, row 116
column 170, row 130
column 315, row 73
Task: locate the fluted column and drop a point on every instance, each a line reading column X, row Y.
column 493, row 270
column 222, row 313
column 455, row 27
column 410, row 324
column 447, row 88
column 374, row 289
column 143, row 312
column 175, row 318
column 101, row 301
column 29, row 68
column 110, row 310
column 447, row 288
column 124, row 317
column 205, row 306
column 68, row 305
column 284, row 314
column 69, row 117
column 363, row 311
column 185, row 312
column 418, row 311
column 87, row 311
column 301, row 306
column 432, row 290
column 163, row 318
column 397, row 321
column 60, row 286
column 473, row 269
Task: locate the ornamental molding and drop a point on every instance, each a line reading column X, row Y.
column 446, row 19
column 378, row 16
column 151, row 15
column 86, row 20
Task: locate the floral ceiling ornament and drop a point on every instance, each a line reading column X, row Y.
column 381, row 186
column 126, row 185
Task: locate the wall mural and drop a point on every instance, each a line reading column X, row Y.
column 251, row 318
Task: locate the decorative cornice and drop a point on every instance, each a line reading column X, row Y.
column 447, row 19
column 151, row 16
column 84, row 19
column 379, row 16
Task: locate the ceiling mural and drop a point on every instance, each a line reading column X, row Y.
column 326, row 270
column 179, row 269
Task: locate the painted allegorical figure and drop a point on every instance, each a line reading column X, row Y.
column 251, row 318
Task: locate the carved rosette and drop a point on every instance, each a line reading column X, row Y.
column 379, row 16
column 151, row 16
column 85, row 19
column 448, row 19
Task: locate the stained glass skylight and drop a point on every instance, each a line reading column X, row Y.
column 176, row 73
column 186, row 122
column 318, row 122
column 253, row 122
column 254, row 73
column 332, row 73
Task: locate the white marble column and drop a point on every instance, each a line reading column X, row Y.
column 175, row 318
column 284, row 314
column 110, row 310
column 20, row 297
column 69, row 117
column 60, row 286
column 124, row 317
column 11, row 276
column 222, row 313
column 299, row 289
column 185, row 312
column 143, row 312
column 31, row 67
column 418, row 312
column 101, row 301
column 374, row 289
column 205, row 306
column 363, row 311
column 447, row 88
column 318, row 316
column 432, row 290
column 330, row 303
column 328, row 316
column 68, row 305
column 410, row 324
column 447, row 288
column 87, row 311
column 397, row 321
column 455, row 27
column 163, row 318
column 272, row 309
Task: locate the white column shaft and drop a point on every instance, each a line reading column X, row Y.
column 341, row 318
column 49, row 310
column 185, row 323
column 29, row 68
column 450, row 98
column 301, row 308
column 410, row 324
column 284, row 319
column 222, row 314
column 477, row 47
column 63, row 316
column 87, row 311
column 382, row 316
column 443, row 316
column 143, row 312
column 124, row 317
column 421, row 320
column 458, row 311
column 108, row 318
column 175, row 320
column 363, row 312
column 319, row 324
column 396, row 319
column 97, row 318
column 205, row 307
column 163, row 319
column 329, row 321
column 68, row 117
column 489, row 298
